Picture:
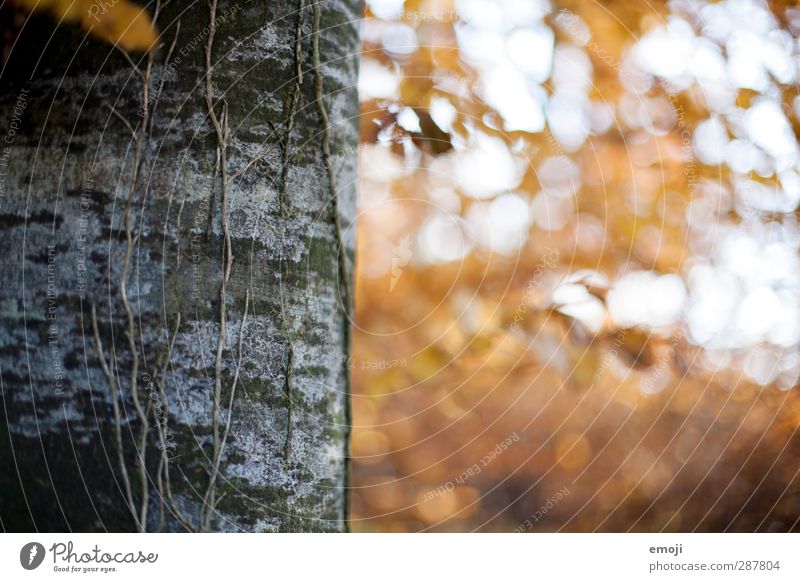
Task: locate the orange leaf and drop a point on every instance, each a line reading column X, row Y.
column 116, row 21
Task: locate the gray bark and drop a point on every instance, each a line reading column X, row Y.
column 176, row 254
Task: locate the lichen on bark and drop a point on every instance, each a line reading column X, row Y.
column 123, row 262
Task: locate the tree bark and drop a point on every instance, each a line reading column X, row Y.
column 176, row 251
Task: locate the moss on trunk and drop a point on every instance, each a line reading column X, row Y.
column 145, row 208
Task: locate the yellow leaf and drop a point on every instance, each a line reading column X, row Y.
column 116, row 21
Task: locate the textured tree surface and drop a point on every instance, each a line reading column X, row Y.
column 176, row 255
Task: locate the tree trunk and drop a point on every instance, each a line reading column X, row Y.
column 177, row 247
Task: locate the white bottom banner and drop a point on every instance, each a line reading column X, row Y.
column 399, row 557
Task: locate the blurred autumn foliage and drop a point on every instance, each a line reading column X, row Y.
column 578, row 237
column 126, row 24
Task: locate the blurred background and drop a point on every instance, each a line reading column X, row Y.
column 578, row 294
